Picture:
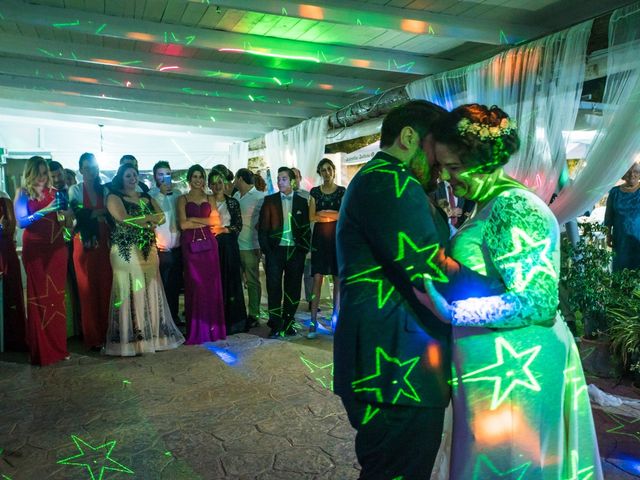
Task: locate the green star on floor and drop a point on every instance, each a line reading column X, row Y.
column 384, row 363
column 579, row 474
column 376, row 276
column 514, row 370
column 94, row 458
column 322, row 373
column 629, row 429
column 484, row 469
column 429, row 252
column 530, row 256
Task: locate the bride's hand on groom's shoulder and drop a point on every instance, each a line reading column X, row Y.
column 435, row 302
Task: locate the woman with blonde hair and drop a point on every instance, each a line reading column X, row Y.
column 44, row 216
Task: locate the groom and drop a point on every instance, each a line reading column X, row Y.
column 391, row 355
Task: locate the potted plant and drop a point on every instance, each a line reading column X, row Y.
column 624, row 328
column 588, row 290
column 585, row 278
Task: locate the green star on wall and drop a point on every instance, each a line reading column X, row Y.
column 402, row 387
column 529, row 256
column 96, row 459
column 430, row 251
column 484, row 469
column 514, row 371
column 376, row 276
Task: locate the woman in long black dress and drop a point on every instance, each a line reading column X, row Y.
column 324, row 205
column 235, row 313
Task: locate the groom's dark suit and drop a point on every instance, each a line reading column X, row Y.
column 391, row 355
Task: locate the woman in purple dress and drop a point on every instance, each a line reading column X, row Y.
column 197, row 214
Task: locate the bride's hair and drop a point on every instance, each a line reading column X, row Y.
column 483, row 137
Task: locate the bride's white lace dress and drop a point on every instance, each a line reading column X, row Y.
column 520, row 403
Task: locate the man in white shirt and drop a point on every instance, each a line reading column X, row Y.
column 168, row 236
column 250, row 203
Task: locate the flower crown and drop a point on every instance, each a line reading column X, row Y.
column 486, row 132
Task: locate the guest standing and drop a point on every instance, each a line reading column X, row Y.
column 622, row 219
column 250, row 200
column 44, row 256
column 197, row 213
column 283, row 233
column 168, row 236
column 307, row 277
column 91, row 252
column 74, row 327
column 324, row 207
column 12, row 295
column 235, row 313
column 140, row 319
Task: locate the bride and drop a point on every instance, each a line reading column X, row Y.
column 520, row 404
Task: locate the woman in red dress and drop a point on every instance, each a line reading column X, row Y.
column 91, row 250
column 13, row 301
column 44, row 255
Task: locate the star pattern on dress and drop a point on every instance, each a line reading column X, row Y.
column 577, row 473
column 96, row 460
column 323, row 374
column 629, row 429
column 375, row 275
column 514, row 370
column 49, row 303
column 401, row 387
column 399, row 184
column 56, row 229
column 530, row 257
column 429, row 252
column 484, row 469
column 574, row 378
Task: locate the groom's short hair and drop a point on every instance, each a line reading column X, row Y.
column 417, row 114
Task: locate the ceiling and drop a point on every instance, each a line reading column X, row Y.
column 238, row 69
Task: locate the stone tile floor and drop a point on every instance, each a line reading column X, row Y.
column 244, row 408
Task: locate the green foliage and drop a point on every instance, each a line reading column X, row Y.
column 611, row 299
column 585, row 272
column 624, row 330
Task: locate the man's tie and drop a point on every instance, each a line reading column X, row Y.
column 452, row 204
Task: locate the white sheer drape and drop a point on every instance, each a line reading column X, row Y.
column 301, row 146
column 539, row 84
column 238, row 156
column 617, row 142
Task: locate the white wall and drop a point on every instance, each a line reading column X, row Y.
column 66, row 137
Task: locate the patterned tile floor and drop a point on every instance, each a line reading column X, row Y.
column 244, row 408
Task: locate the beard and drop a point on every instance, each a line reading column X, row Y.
column 425, row 174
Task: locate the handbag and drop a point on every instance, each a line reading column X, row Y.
column 201, row 244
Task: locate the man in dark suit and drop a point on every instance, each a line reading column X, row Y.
column 391, row 355
column 284, row 235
